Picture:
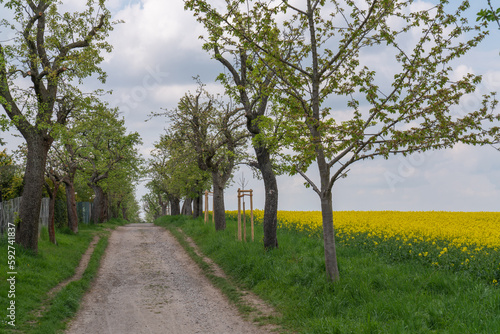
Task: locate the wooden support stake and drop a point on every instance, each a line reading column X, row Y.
column 207, row 193
column 239, row 215
column 243, row 193
column 251, row 212
column 244, row 222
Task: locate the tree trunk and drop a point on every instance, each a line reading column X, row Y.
column 219, row 208
column 29, row 210
column 52, row 211
column 124, row 213
column 175, row 206
column 187, row 207
column 270, row 223
column 100, row 209
column 164, row 208
column 198, row 205
column 71, row 206
column 331, row 265
column 115, row 209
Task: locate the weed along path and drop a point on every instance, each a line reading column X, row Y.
column 148, row 284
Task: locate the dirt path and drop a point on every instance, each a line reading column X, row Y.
column 148, row 284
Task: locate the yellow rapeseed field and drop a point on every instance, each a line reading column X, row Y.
column 465, row 241
column 462, row 229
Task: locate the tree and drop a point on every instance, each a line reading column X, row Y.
column 121, row 194
column 52, row 184
column 107, row 151
column 150, row 205
column 49, row 51
column 70, row 164
column 251, row 83
column 64, row 159
column 166, row 191
column 212, row 128
column 177, row 175
column 330, row 74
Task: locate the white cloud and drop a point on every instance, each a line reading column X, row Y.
column 155, row 30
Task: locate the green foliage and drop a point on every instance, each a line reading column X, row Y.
column 104, row 144
column 11, row 179
column 211, row 128
column 52, row 51
column 96, row 150
column 60, row 214
column 489, row 15
column 377, row 295
column 340, row 106
column 174, row 165
column 204, row 141
column 325, row 42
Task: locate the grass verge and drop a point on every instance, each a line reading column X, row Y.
column 375, row 294
column 38, row 274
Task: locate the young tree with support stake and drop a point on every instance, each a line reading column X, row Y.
column 50, row 50
column 330, row 75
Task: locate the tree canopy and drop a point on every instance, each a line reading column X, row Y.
column 340, row 107
column 40, row 69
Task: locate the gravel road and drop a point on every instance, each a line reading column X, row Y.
column 148, row 284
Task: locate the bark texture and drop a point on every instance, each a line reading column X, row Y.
column 198, row 206
column 100, row 207
column 29, row 210
column 270, row 223
column 71, row 205
column 187, row 207
column 331, row 264
column 219, row 209
column 52, row 209
column 175, row 209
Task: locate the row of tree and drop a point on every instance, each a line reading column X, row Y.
column 301, row 79
column 45, row 56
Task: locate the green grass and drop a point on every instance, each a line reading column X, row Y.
column 38, row 274
column 375, row 294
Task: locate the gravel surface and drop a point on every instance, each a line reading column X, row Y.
column 148, row 284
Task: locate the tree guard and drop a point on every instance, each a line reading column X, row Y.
column 207, row 193
column 241, row 194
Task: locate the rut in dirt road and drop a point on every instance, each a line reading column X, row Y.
column 148, row 284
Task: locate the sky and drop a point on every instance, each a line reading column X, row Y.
column 157, row 52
